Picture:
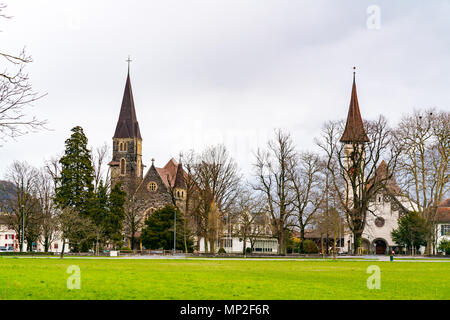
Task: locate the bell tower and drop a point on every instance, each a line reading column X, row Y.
column 354, row 138
column 126, row 165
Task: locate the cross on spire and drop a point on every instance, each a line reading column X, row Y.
column 128, row 61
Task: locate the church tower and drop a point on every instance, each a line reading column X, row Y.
column 354, row 139
column 126, row 165
column 354, row 135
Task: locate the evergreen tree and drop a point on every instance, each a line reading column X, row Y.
column 158, row 230
column 75, row 185
column 412, row 231
column 113, row 222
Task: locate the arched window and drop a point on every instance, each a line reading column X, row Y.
column 152, row 186
column 122, row 166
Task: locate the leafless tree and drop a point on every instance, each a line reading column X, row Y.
column 101, row 170
column 134, row 218
column 423, row 172
column 306, row 173
column 273, row 181
column 353, row 169
column 74, row 227
column 216, row 181
column 23, row 207
column 249, row 219
column 48, row 220
column 16, row 94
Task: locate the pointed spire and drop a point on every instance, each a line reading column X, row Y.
column 127, row 125
column 354, row 128
column 179, row 178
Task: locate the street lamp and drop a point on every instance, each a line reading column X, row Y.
column 174, row 232
column 23, row 228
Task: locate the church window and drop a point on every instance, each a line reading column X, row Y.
column 123, row 164
column 122, row 146
column 379, row 222
column 152, row 186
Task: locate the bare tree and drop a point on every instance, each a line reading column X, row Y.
column 248, row 220
column 16, row 94
column 423, row 171
column 101, row 169
column 353, row 169
column 134, row 218
column 23, row 207
column 48, row 221
column 216, row 181
column 74, row 227
column 306, row 174
column 272, row 170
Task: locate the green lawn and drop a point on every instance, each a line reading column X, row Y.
column 43, row 278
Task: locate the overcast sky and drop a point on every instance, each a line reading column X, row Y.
column 212, row 71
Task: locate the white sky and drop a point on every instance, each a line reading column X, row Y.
column 212, row 71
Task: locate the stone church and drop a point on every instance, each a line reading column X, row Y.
column 158, row 186
column 388, row 205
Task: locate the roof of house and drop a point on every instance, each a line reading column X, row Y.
column 127, row 125
column 443, row 212
column 354, row 128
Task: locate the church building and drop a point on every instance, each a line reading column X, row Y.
column 387, row 206
column 158, row 186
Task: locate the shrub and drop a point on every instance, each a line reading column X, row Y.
column 310, row 246
column 248, row 250
column 444, row 245
column 221, row 250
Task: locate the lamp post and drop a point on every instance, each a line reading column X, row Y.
column 174, row 232
column 23, row 228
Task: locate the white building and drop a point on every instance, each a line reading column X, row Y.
column 443, row 222
column 10, row 242
column 258, row 236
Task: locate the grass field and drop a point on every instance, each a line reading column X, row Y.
column 43, row 278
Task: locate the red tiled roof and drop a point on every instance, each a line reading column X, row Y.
column 354, row 128
column 443, row 212
column 171, row 174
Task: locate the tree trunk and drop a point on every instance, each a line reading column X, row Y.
column 205, row 241
column 356, row 239
column 62, row 250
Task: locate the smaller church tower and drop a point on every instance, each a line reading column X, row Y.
column 126, row 165
column 354, row 135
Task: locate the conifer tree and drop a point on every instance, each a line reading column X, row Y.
column 113, row 222
column 75, row 184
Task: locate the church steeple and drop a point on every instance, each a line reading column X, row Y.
column 127, row 125
column 354, row 128
column 126, row 165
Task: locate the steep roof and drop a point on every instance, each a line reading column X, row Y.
column 443, row 212
column 127, row 125
column 354, row 128
column 391, row 184
column 172, row 174
column 179, row 178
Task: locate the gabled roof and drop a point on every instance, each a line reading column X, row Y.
column 443, row 212
column 354, row 128
column 391, row 184
column 127, row 125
